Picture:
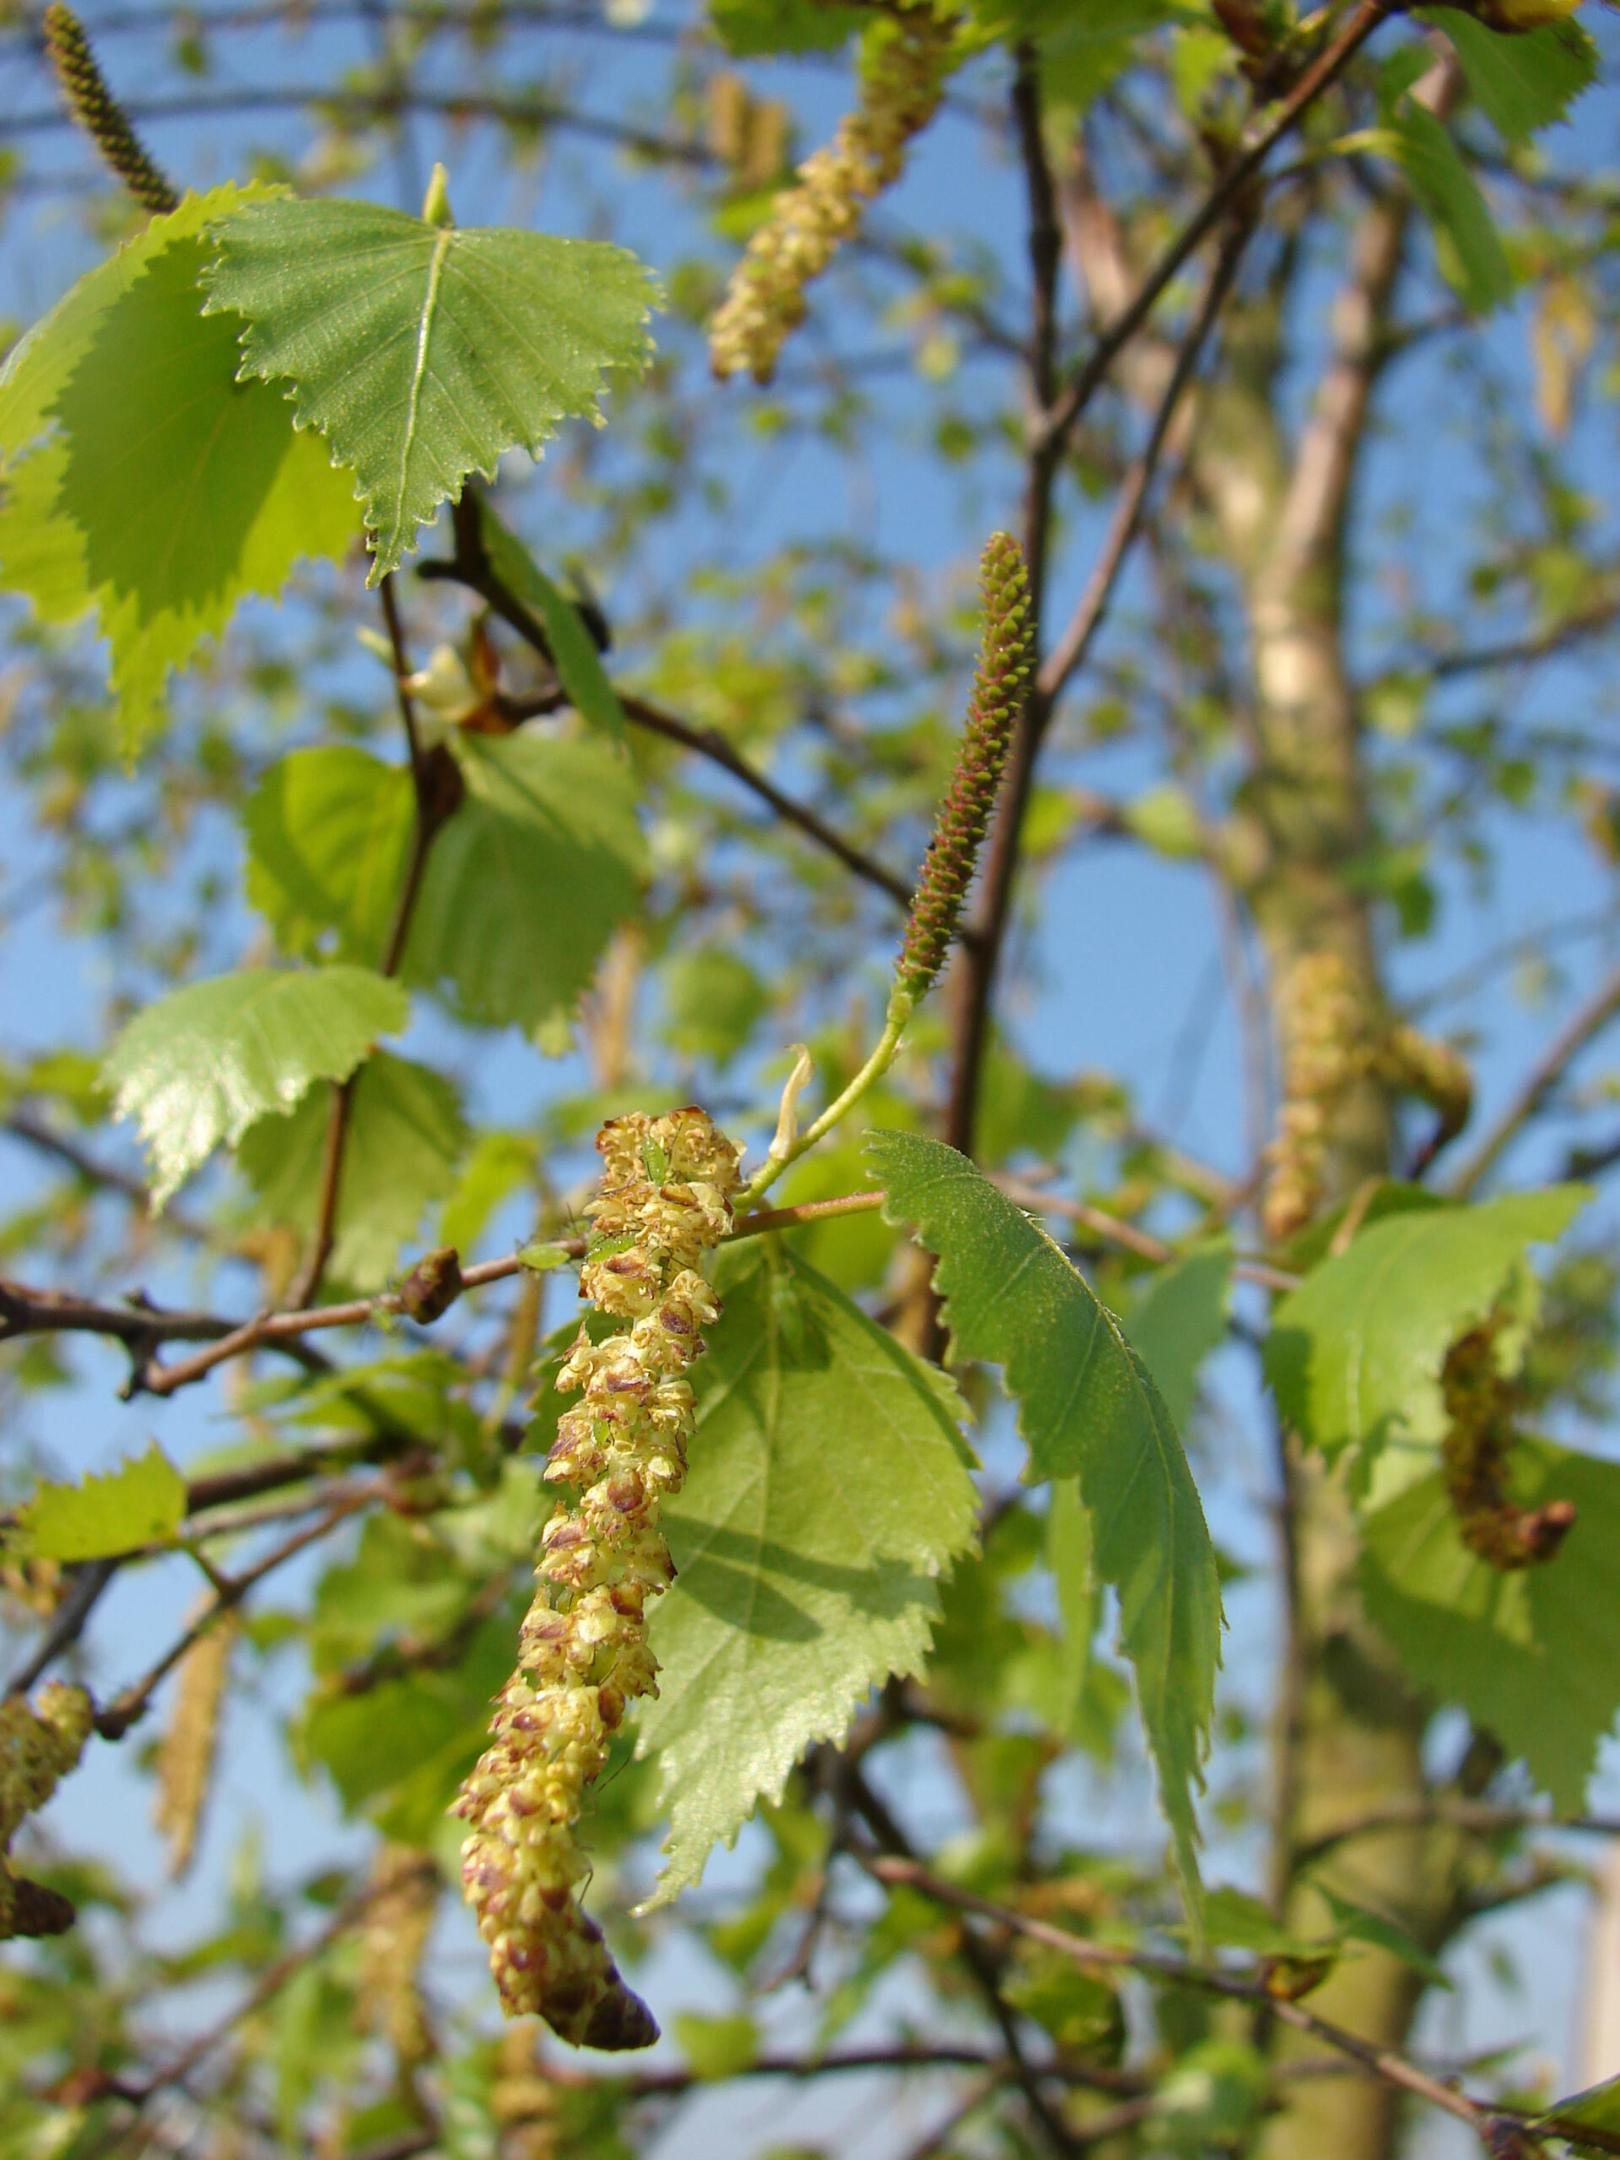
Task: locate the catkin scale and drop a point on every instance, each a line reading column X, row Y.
column 583, row 1655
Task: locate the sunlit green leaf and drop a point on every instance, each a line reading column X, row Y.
column 829, row 1493
column 112, row 1511
column 203, row 1063
column 1088, row 1410
column 422, row 352
column 404, row 1137
column 1533, row 1654
column 1354, row 1353
column 158, row 490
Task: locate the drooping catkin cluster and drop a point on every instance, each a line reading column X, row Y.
column 1480, row 1405
column 185, row 1763
column 37, row 1747
column 1324, row 1054
column 99, row 113
column 1331, row 1042
column 999, row 688
column 1435, row 1073
column 905, row 60
column 393, row 1939
column 664, row 1200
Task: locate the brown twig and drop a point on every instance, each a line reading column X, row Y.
column 977, row 980
column 1231, row 184
column 1395, row 2069
column 1073, row 646
column 131, row 1702
column 268, row 1985
column 1549, row 1069
column 975, row 1956
column 435, row 780
column 470, row 566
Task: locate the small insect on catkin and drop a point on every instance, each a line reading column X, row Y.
column 664, row 1201
column 905, row 60
column 99, row 113
column 37, row 1747
column 999, row 686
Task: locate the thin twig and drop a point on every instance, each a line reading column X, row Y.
column 1233, row 181
column 378, row 105
column 1072, row 648
column 975, row 1956
column 1549, row 1069
column 130, row 1704
column 1385, row 2063
column 434, row 805
column 470, row 566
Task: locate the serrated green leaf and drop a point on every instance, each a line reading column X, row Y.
column 829, row 1492
column 579, row 666
column 751, row 28
column 1470, row 251
column 420, row 352
column 1354, row 1354
column 203, row 1063
column 1522, row 83
column 1595, row 2109
column 1533, row 1654
column 528, row 880
column 112, row 1511
column 406, row 1133
column 1079, row 1595
column 328, row 835
column 158, row 490
column 523, row 888
column 1089, row 1410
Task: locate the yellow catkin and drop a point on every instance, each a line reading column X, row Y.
column 185, row 1762
column 1331, row 1042
column 37, row 1747
column 664, row 1201
column 906, row 59
column 523, row 2102
column 1324, row 1054
column 393, row 1942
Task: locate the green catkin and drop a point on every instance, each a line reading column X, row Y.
column 99, row 113
column 1480, row 1404
column 905, row 60
column 664, row 1201
column 1000, row 684
column 37, row 1747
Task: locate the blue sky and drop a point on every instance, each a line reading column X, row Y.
column 1125, row 972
